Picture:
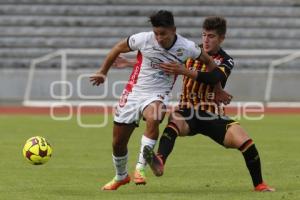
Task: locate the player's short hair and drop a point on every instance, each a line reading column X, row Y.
column 215, row 23
column 162, row 18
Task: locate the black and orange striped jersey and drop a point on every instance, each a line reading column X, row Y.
column 200, row 95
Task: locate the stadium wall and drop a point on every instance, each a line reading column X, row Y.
column 245, row 85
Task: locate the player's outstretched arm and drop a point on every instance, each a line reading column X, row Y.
column 99, row 77
column 177, row 69
column 123, row 62
column 212, row 77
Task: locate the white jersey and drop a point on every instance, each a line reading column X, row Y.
column 147, row 77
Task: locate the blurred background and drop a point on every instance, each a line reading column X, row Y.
column 48, row 48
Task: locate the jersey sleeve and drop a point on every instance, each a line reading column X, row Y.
column 195, row 50
column 136, row 41
column 226, row 66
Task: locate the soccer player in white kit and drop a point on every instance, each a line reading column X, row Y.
column 146, row 93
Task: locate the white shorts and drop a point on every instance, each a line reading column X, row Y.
column 131, row 106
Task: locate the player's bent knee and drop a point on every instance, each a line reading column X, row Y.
column 235, row 136
column 181, row 127
column 152, row 124
column 155, row 117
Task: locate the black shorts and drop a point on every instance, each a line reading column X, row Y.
column 206, row 123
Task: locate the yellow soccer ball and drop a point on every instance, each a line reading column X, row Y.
column 37, row 150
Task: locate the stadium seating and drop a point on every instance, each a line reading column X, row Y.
column 32, row 28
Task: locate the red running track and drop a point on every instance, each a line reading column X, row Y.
column 21, row 110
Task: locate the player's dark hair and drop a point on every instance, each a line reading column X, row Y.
column 162, row 18
column 215, row 23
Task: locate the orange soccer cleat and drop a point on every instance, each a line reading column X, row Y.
column 263, row 187
column 139, row 177
column 154, row 161
column 115, row 184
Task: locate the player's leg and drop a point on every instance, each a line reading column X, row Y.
column 125, row 121
column 236, row 137
column 229, row 133
column 153, row 114
column 177, row 126
column 121, row 135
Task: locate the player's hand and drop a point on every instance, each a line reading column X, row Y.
column 98, row 78
column 122, row 62
column 172, row 68
column 221, row 96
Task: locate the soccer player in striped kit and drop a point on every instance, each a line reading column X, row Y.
column 199, row 111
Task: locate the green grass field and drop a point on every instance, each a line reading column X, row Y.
column 197, row 169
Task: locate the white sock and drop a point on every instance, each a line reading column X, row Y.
column 120, row 164
column 144, row 141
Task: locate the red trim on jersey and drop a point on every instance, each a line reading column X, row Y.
column 132, row 80
column 135, row 72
